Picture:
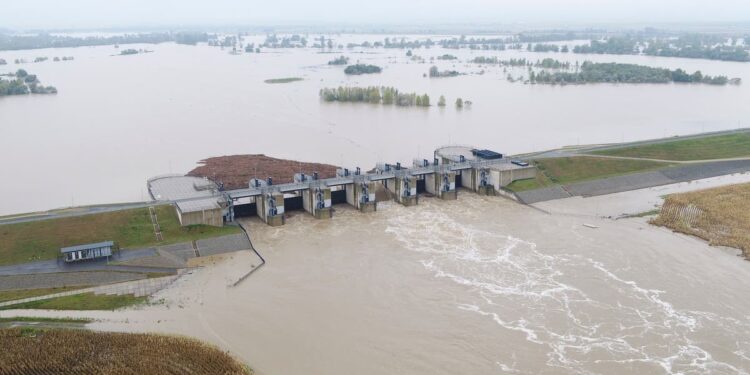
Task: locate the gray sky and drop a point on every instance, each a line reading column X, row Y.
column 119, row 13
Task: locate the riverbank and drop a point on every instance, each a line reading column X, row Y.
column 445, row 287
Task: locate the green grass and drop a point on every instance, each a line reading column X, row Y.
column 540, row 181
column 36, row 319
column 283, row 80
column 10, row 295
column 569, row 170
column 582, row 168
column 85, row 301
column 30, row 241
column 706, row 148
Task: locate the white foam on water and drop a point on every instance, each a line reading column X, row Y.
column 522, row 290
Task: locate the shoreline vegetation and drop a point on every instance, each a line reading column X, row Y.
column 45, row 40
column 23, row 83
column 358, row 69
column 552, row 71
column 283, row 80
column 691, row 46
column 719, row 215
column 374, row 95
column 109, row 352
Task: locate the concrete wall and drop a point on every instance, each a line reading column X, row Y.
column 505, row 177
column 434, row 185
column 206, row 217
column 263, row 206
column 404, row 190
column 355, row 192
column 311, row 199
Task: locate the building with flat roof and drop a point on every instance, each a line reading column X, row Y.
column 199, row 200
column 88, row 251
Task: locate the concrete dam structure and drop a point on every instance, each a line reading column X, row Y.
column 482, row 171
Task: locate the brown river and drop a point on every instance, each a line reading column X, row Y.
column 118, row 120
column 481, row 285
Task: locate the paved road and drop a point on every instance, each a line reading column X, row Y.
column 53, row 266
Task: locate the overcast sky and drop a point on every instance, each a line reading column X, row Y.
column 122, row 13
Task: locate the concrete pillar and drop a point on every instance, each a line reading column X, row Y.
column 404, row 190
column 317, row 201
column 482, row 181
column 362, row 195
column 441, row 184
column 270, row 208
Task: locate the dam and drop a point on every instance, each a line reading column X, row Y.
column 202, row 201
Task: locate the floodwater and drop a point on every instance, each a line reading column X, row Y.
column 118, row 120
column 480, row 285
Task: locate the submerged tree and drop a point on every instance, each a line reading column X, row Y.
column 441, row 101
column 459, row 103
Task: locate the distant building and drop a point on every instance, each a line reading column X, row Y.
column 89, row 251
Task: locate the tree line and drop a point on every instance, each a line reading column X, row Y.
column 374, row 94
column 44, row 40
column 625, row 73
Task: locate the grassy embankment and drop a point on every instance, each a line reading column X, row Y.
column 77, row 351
column 569, row 170
column 704, row 148
column 30, row 241
column 719, row 215
column 283, row 80
column 86, row 301
column 10, row 295
column 39, row 319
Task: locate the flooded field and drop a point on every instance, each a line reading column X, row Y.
column 118, row 120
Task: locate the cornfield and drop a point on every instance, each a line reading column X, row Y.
column 719, row 215
column 72, row 351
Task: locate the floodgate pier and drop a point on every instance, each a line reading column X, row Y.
column 202, row 201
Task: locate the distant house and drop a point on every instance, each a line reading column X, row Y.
column 89, row 251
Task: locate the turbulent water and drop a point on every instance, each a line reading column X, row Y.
column 475, row 286
column 118, row 120
column 572, row 308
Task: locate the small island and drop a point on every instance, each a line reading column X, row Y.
column 283, row 80
column 358, row 69
column 23, row 83
column 342, row 60
column 435, row 73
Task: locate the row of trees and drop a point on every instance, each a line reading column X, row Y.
column 624, row 73
column 375, row 95
column 695, row 46
column 494, row 60
column 435, row 73
column 341, row 60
